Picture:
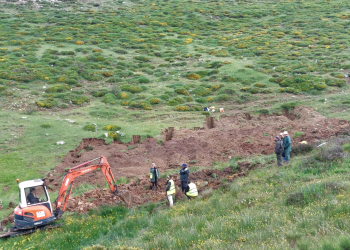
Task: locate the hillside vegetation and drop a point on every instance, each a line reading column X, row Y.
column 303, row 205
column 142, row 66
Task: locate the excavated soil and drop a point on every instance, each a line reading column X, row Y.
column 138, row 191
column 240, row 134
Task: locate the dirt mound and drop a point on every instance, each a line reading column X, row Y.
column 138, row 191
column 236, row 135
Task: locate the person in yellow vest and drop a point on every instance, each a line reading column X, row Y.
column 191, row 190
column 170, row 189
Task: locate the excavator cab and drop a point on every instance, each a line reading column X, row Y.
column 34, row 207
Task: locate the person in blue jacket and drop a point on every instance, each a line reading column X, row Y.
column 287, row 143
column 184, row 177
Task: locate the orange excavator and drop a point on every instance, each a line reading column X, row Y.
column 35, row 212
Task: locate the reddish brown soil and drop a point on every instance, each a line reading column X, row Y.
column 138, row 191
column 237, row 135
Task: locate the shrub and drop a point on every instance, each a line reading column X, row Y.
column 193, row 76
column 154, row 101
column 173, row 102
column 298, row 134
column 131, row 89
column 165, row 97
column 202, row 91
column 80, row 99
column 181, row 91
column 90, row 127
column 143, row 79
column 99, row 93
column 228, row 79
column 288, row 106
column 109, row 98
column 184, row 108
column 57, row 89
column 125, row 103
column 113, row 135
column 48, row 103
column 45, row 125
column 301, row 149
column 222, row 98
column 111, row 127
column 179, row 99
column 107, row 74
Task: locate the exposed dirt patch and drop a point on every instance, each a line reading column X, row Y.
column 237, row 135
column 138, row 191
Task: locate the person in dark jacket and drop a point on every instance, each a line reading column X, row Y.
column 154, row 176
column 287, row 144
column 31, row 198
column 184, row 177
column 279, row 150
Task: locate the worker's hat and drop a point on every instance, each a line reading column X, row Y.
column 184, row 165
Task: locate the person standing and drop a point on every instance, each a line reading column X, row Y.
column 154, row 176
column 279, row 150
column 170, row 189
column 191, row 190
column 287, row 144
column 184, row 177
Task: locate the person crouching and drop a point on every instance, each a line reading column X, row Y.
column 170, row 190
column 191, row 190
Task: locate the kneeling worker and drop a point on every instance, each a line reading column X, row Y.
column 191, row 190
column 170, row 189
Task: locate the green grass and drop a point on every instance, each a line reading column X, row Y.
column 253, row 212
column 263, row 55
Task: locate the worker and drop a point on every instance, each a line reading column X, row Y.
column 184, row 177
column 170, row 189
column 31, row 197
column 191, row 190
column 279, row 150
column 154, row 176
column 287, row 144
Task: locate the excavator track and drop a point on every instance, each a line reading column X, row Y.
column 29, row 231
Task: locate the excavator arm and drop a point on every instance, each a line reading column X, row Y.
column 68, row 180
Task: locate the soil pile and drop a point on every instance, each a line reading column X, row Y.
column 139, row 191
column 237, row 135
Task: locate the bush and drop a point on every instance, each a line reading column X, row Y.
column 298, row 134
column 173, row 102
column 154, row 101
column 181, row 91
column 46, row 125
column 143, row 79
column 228, row 79
column 57, row 89
column 193, row 76
column 48, row 103
column 301, row 149
column 111, row 128
column 131, row 89
column 90, row 127
column 109, row 99
column 80, row 100
column 288, row 106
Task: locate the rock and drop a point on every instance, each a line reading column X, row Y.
column 11, row 218
column 11, row 204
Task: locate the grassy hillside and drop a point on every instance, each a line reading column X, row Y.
column 148, row 65
column 303, row 205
